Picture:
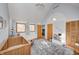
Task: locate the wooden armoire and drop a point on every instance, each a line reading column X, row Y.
column 72, row 35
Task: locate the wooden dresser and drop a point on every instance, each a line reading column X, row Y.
column 16, row 45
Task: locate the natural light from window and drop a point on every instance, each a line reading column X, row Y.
column 32, row 27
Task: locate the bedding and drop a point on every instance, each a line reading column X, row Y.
column 43, row 47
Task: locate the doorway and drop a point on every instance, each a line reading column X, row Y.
column 43, row 31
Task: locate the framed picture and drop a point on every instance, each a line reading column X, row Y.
column 20, row 27
column 1, row 24
column 32, row 27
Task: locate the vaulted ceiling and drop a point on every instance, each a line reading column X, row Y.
column 33, row 11
column 23, row 11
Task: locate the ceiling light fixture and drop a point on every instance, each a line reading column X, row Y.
column 54, row 19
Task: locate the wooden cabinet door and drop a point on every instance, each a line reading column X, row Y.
column 77, row 38
column 39, row 31
column 73, row 33
column 68, row 34
column 49, row 31
column 77, row 33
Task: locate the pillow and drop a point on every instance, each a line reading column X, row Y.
column 56, row 42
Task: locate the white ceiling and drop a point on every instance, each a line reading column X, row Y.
column 72, row 4
column 29, row 11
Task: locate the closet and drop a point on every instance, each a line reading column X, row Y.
column 72, row 35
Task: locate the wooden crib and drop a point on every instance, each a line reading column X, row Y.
column 16, row 46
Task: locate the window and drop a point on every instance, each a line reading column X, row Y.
column 32, row 27
column 1, row 24
column 20, row 27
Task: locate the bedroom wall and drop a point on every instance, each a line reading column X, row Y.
column 5, row 15
column 28, row 35
column 62, row 14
